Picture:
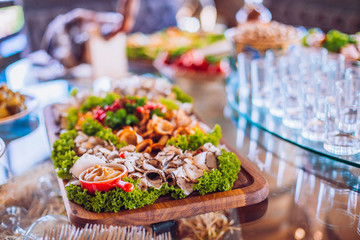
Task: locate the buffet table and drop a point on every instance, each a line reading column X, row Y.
column 311, row 196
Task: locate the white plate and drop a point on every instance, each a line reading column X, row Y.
column 30, row 102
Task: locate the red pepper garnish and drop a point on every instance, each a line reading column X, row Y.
column 100, row 115
column 122, row 154
column 140, row 109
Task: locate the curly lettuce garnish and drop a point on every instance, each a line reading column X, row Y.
column 94, row 101
column 93, row 128
column 117, row 199
column 196, row 140
column 72, row 118
column 63, row 154
column 222, row 178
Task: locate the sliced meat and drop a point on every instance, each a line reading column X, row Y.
column 155, row 178
column 211, row 161
column 192, row 172
column 186, row 186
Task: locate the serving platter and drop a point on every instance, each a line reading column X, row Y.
column 250, row 188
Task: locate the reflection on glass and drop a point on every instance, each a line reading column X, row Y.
column 336, row 207
column 40, row 226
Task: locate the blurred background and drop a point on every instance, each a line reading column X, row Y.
column 23, row 23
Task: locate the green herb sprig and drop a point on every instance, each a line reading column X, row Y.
column 181, row 95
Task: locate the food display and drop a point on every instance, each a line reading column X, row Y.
column 171, row 40
column 261, row 36
column 10, row 102
column 144, row 128
column 193, row 65
column 334, row 41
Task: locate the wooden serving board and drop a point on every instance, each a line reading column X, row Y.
column 250, row 188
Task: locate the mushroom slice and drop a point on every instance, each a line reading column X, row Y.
column 169, row 171
column 75, row 182
column 135, row 175
column 129, row 166
column 104, row 151
column 200, row 161
column 163, row 140
column 81, row 151
column 177, row 151
column 192, row 172
column 211, row 148
column 86, row 145
column 113, row 155
column 162, row 126
column 128, row 136
column 143, row 184
column 182, row 119
column 144, row 146
column 152, row 162
column 132, row 156
column 210, row 160
column 164, row 157
column 170, row 180
column 184, row 185
column 149, row 167
column 84, row 162
column 179, row 172
column 138, row 169
column 96, row 141
column 139, row 138
column 81, row 137
column 119, row 160
column 155, row 137
column 188, row 161
column 128, row 148
column 181, row 131
column 177, row 162
column 156, row 148
column 145, row 116
column 155, row 178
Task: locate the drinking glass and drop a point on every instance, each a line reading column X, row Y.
column 275, row 103
column 338, row 60
column 291, row 93
column 315, row 91
column 244, row 75
column 342, row 118
column 260, row 82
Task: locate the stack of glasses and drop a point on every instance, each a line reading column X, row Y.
column 311, row 90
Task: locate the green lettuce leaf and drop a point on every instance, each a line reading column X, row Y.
column 196, row 140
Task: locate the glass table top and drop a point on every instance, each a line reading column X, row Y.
column 261, row 117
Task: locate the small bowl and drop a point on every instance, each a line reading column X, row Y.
column 108, row 184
